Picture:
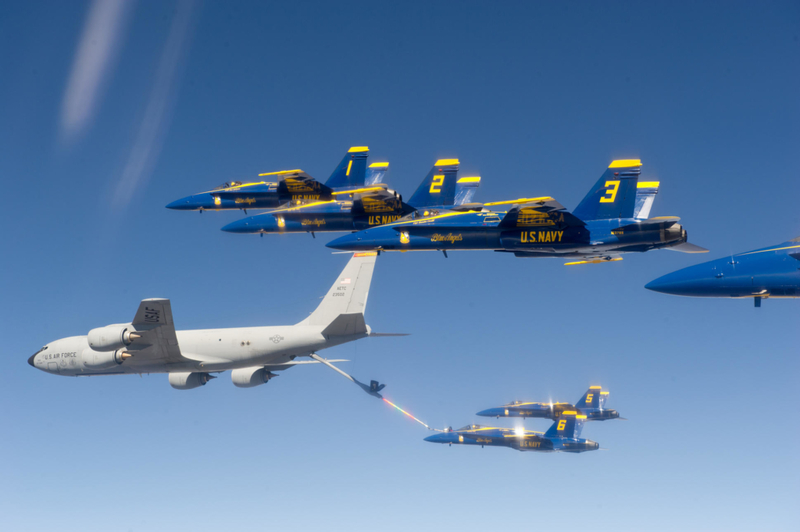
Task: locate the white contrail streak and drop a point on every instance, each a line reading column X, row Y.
column 97, row 50
column 147, row 145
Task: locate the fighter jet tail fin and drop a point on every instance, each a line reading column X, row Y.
column 465, row 189
column 568, row 425
column 376, row 173
column 352, row 171
column 438, row 187
column 614, row 195
column 645, row 196
column 592, row 398
column 341, row 311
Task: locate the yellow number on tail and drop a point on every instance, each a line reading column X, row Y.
column 436, row 186
column 611, row 192
column 561, row 424
column 589, row 398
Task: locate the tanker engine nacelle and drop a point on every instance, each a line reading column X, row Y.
column 249, row 377
column 112, row 337
column 103, row 359
column 187, row 381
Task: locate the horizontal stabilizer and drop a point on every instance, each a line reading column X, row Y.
column 686, row 247
column 346, row 325
column 388, row 334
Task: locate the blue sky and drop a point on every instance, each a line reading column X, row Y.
column 110, row 112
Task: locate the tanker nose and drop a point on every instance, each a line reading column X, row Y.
column 31, row 359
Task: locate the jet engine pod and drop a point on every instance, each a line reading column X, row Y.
column 249, row 377
column 111, row 337
column 103, row 359
column 187, row 381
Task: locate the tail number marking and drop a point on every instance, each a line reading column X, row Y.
column 611, row 192
column 561, row 424
column 436, row 185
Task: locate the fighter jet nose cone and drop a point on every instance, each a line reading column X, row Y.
column 31, row 359
column 489, row 412
column 349, row 242
column 675, row 283
column 656, row 285
column 239, row 226
column 184, row 204
column 435, row 438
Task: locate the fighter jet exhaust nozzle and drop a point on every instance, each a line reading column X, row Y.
column 251, row 377
column 187, row 381
column 103, row 360
column 112, row 337
column 674, row 233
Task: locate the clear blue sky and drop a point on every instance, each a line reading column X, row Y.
column 108, row 114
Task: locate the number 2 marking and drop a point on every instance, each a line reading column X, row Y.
column 436, row 186
column 611, row 190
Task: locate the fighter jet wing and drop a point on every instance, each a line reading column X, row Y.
column 158, row 341
column 545, row 213
column 297, row 182
column 377, row 200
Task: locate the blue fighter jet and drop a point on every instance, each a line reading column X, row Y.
column 590, row 405
column 364, row 207
column 563, row 435
column 770, row 272
column 291, row 185
column 611, row 220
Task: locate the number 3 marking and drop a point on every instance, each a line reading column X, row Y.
column 436, row 186
column 611, row 190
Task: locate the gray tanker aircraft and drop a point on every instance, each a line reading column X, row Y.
column 150, row 343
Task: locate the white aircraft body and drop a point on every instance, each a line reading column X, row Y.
column 150, row 343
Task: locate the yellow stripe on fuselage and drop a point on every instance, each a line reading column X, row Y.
column 357, row 190
column 299, row 207
column 282, row 172
column 773, row 249
column 521, row 200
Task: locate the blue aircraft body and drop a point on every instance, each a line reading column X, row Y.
column 611, row 220
column 771, row 272
column 291, row 185
column 563, row 436
column 365, row 207
column 590, row 405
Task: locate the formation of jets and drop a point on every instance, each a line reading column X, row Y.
column 564, row 434
column 613, row 219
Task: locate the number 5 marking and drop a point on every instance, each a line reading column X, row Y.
column 611, row 190
column 436, row 186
